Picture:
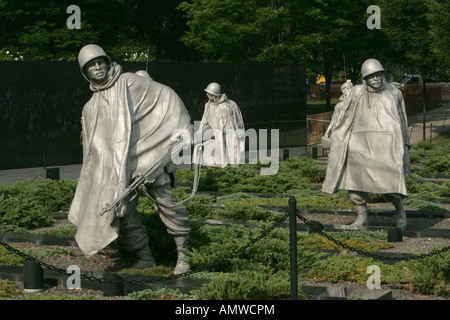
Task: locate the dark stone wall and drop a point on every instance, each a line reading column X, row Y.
column 41, row 103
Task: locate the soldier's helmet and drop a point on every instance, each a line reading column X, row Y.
column 214, row 89
column 370, row 66
column 89, row 52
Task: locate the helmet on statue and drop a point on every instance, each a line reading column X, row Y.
column 371, row 66
column 89, row 52
column 214, row 89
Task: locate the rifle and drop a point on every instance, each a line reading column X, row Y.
column 140, row 180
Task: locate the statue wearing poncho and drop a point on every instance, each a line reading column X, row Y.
column 127, row 126
column 370, row 145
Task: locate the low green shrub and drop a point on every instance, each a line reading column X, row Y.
column 318, row 241
column 8, row 288
column 422, row 205
column 272, row 251
column 248, row 285
column 23, row 213
column 70, row 230
column 432, row 157
column 238, row 210
column 24, row 203
column 342, row 268
column 294, row 174
column 431, row 275
column 160, row 294
column 60, row 296
column 155, row 271
column 9, row 258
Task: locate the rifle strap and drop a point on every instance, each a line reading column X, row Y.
column 193, row 193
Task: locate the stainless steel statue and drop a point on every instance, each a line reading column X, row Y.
column 222, row 122
column 370, row 145
column 127, row 127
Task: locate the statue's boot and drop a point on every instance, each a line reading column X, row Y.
column 182, row 265
column 145, row 259
column 400, row 214
column 361, row 220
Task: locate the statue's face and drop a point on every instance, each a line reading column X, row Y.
column 212, row 98
column 375, row 80
column 97, row 70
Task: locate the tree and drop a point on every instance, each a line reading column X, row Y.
column 240, row 30
column 438, row 17
column 405, row 24
column 38, row 30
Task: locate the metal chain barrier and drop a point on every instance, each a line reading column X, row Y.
column 365, row 253
column 162, row 279
column 228, row 257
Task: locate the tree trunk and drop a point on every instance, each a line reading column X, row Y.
column 328, row 62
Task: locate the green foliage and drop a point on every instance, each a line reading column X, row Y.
column 9, row 258
column 12, row 228
column 62, row 231
column 8, row 288
column 199, row 207
column 317, row 202
column 294, row 176
column 431, row 275
column 342, row 268
column 55, row 252
column 160, row 294
column 24, row 204
column 248, row 285
column 434, row 157
column 60, row 296
column 272, row 252
column 422, row 205
column 155, row 271
column 24, row 213
column 237, row 210
column 353, row 240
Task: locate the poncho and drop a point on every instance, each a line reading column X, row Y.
column 127, row 125
column 225, row 118
column 369, row 146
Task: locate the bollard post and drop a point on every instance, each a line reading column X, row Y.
column 113, row 286
column 395, row 235
column 431, row 131
column 52, row 173
column 293, row 246
column 33, row 277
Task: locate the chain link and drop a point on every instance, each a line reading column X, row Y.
column 162, row 279
column 228, row 257
column 365, row 253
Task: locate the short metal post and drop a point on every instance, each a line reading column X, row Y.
column 443, row 125
column 113, row 285
column 293, row 246
column 33, row 277
column 395, row 235
column 431, row 131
